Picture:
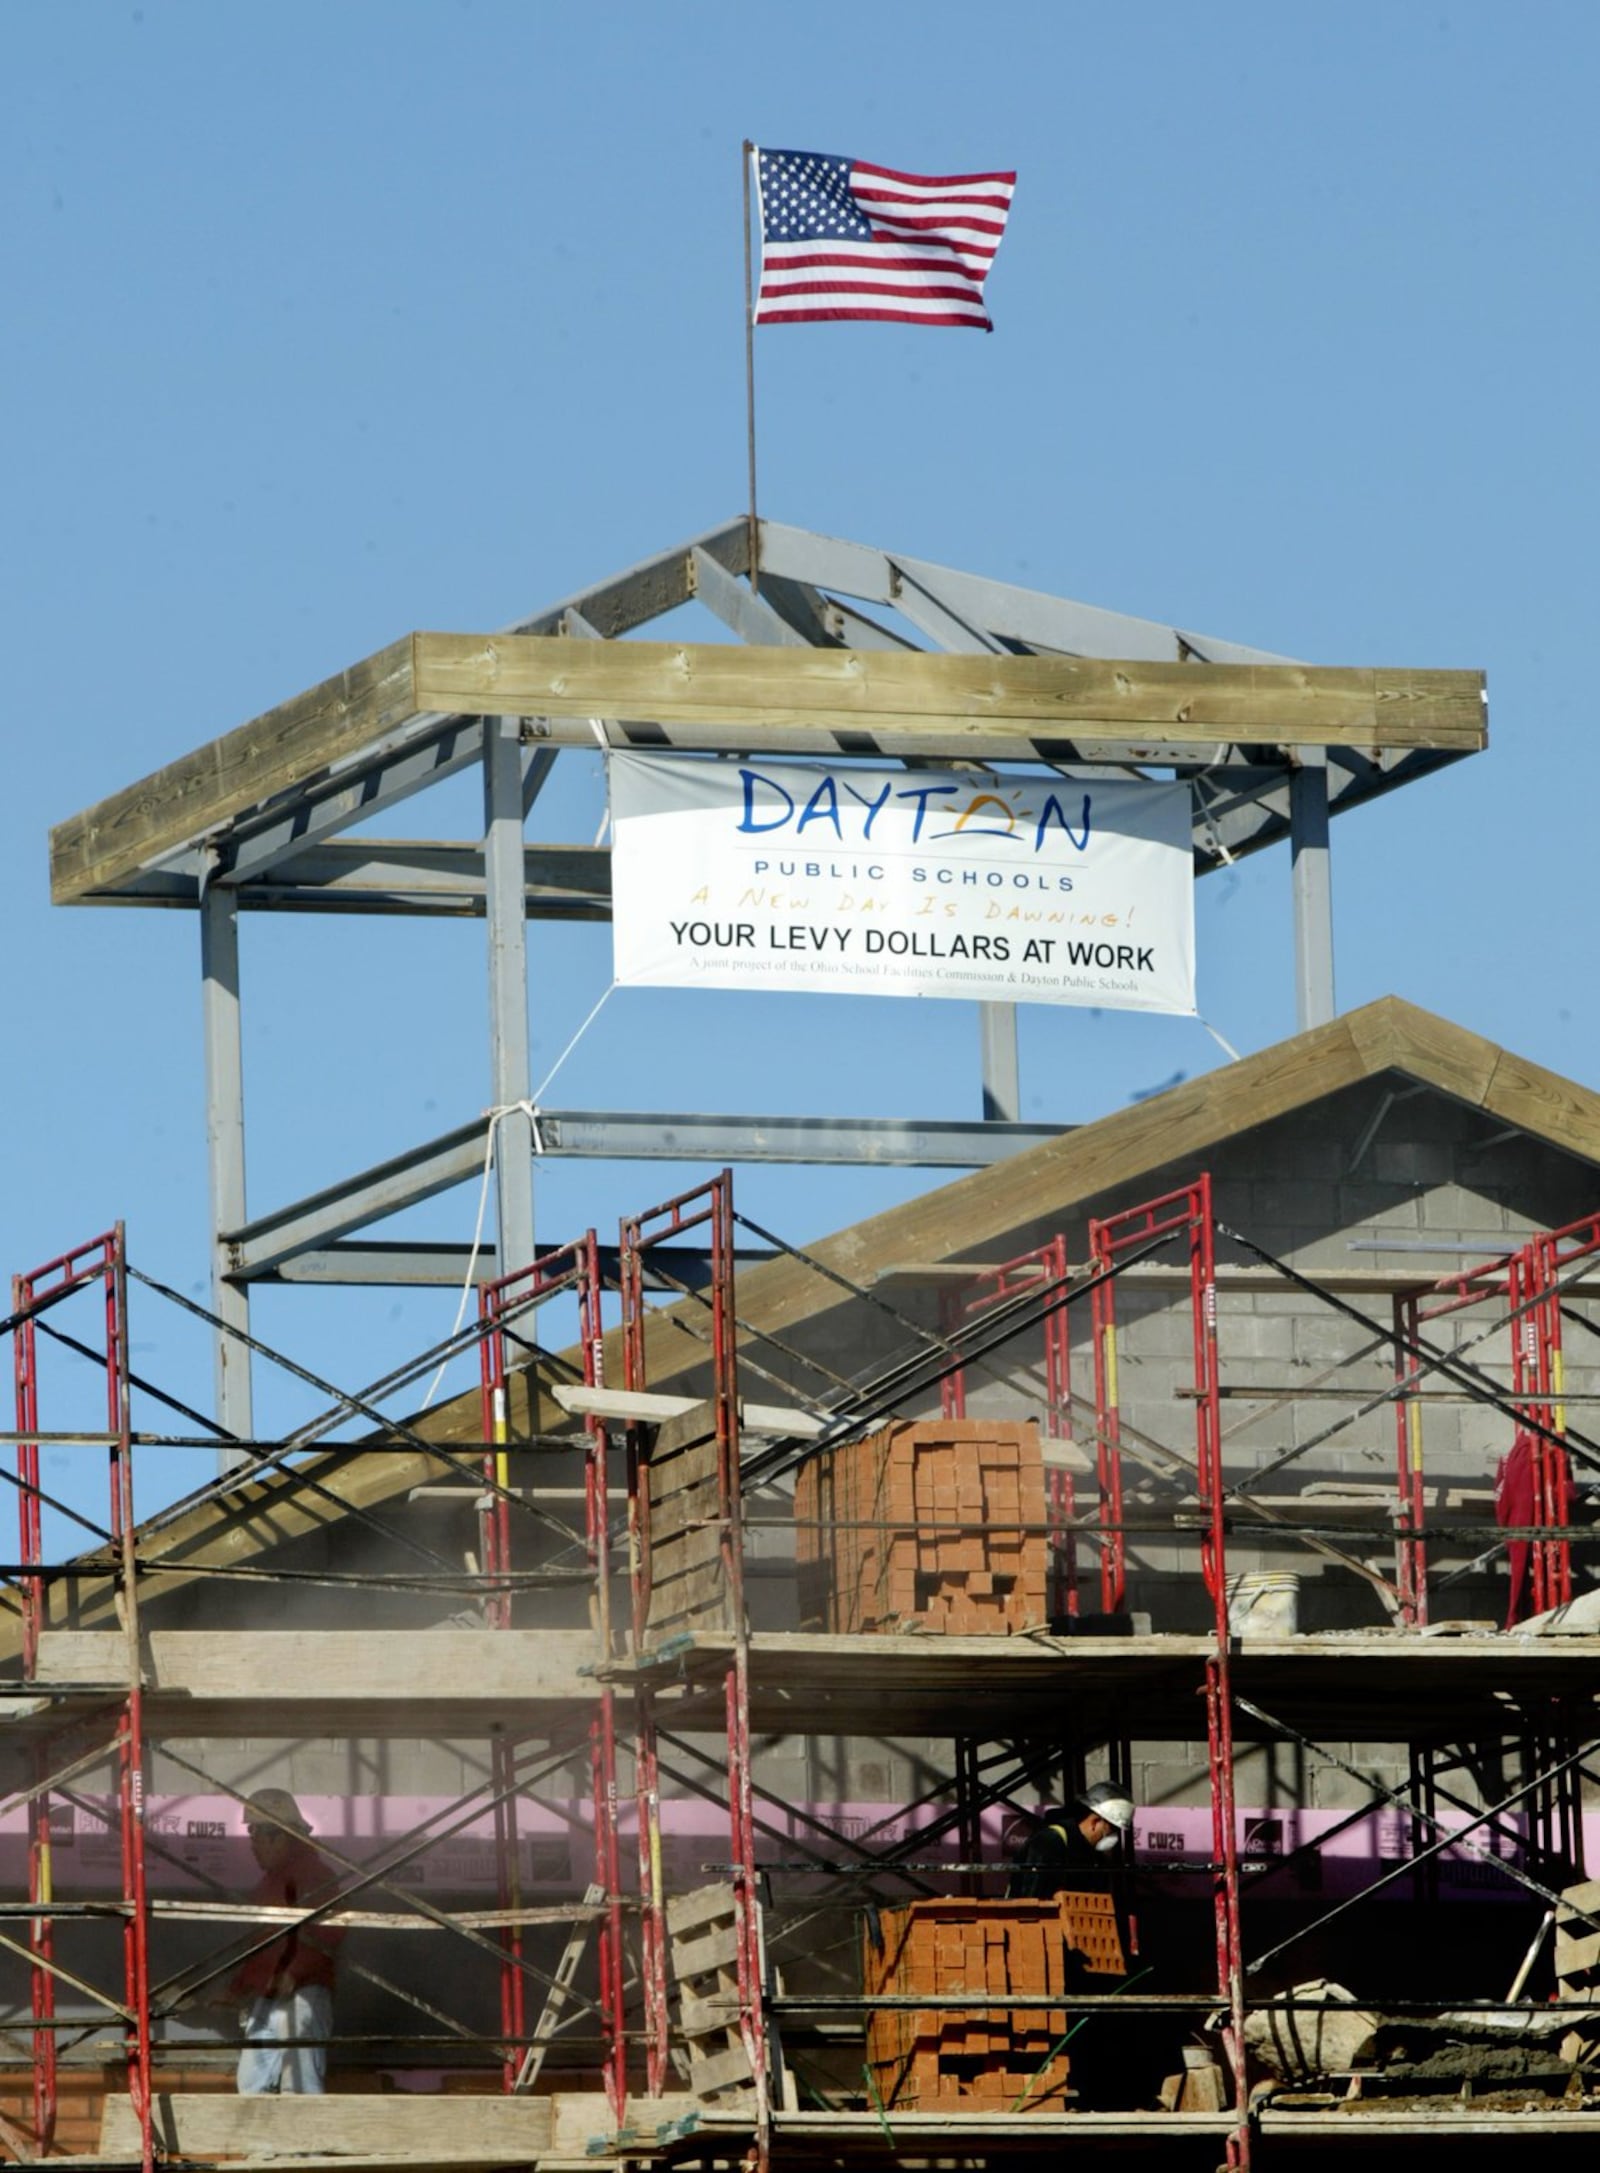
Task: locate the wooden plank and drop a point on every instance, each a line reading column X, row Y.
column 285, row 746
column 685, row 1574
column 912, row 701
column 725, row 2069
column 1545, row 1104
column 630, row 1405
column 378, row 1920
column 583, row 2122
column 1400, row 1037
column 701, row 1905
column 349, row 2128
column 699, row 2017
column 625, row 1404
column 717, row 1949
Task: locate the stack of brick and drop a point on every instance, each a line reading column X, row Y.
column 998, row 2059
column 932, row 1525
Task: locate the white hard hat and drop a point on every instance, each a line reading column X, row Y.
column 1111, row 1803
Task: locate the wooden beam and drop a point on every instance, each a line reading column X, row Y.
column 286, row 746
column 802, row 700
column 915, row 702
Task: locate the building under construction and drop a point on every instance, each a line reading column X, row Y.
column 670, row 1712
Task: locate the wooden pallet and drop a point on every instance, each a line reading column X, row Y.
column 703, row 1938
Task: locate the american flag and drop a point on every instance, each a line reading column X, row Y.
column 843, row 239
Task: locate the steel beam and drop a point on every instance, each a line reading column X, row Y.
column 921, row 603
column 1312, row 882
column 1243, row 807
column 224, row 1074
column 823, row 622
column 404, row 1180
column 262, row 1247
column 1025, row 615
column 644, row 592
column 649, row 1136
column 510, row 1075
column 396, row 1265
column 380, row 780
column 537, row 763
column 1002, row 1082
column 431, row 876
column 750, row 616
column 445, row 1267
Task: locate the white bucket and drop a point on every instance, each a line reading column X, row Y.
column 1263, row 1603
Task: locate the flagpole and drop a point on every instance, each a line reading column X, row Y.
column 750, row 376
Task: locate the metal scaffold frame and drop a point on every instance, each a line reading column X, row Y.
column 662, row 1677
column 99, row 1265
column 122, row 1564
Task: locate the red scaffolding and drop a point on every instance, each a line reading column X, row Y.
column 686, row 1610
column 100, row 1265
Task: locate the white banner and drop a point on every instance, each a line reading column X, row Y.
column 894, row 882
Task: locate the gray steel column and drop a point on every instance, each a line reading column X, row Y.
column 510, row 1076
column 224, row 1057
column 1002, row 1090
column 1312, row 879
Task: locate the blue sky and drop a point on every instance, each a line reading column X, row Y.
column 330, row 321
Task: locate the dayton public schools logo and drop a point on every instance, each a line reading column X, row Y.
column 1016, row 815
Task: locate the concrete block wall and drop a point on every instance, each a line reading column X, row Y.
column 1381, row 1177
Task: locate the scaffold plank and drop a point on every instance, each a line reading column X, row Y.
column 625, row 1404
column 342, row 2129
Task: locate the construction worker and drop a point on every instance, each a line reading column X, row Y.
column 286, row 1985
column 1077, row 1851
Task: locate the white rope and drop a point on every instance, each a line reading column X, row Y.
column 1225, row 1046
column 543, row 1086
column 496, row 1117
